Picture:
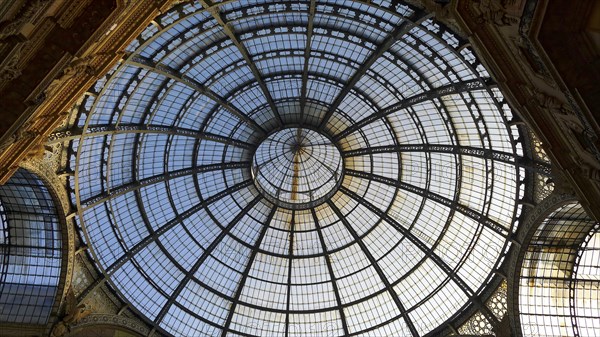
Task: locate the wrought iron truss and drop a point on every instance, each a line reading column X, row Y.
column 434, row 171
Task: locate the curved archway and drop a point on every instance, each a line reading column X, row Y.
column 559, row 274
column 30, row 250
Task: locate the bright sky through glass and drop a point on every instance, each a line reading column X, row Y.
column 30, row 250
column 297, row 168
column 560, row 277
column 173, row 211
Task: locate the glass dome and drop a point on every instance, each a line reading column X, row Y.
column 330, row 168
column 297, row 168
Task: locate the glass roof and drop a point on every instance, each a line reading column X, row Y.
column 560, row 276
column 297, row 168
column 30, row 251
column 259, row 168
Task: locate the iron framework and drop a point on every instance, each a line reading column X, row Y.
column 434, row 171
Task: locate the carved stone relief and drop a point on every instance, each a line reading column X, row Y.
column 495, row 12
column 76, row 67
column 74, row 312
column 524, row 50
column 10, row 69
column 22, row 133
column 28, row 12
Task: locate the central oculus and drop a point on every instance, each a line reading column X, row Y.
column 297, row 168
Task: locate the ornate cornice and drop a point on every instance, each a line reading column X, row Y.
column 506, row 35
column 111, row 320
column 102, row 34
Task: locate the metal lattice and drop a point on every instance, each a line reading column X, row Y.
column 393, row 227
column 31, row 250
column 559, row 283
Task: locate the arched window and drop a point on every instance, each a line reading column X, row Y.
column 30, row 255
column 558, row 291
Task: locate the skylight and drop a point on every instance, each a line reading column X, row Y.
column 330, row 168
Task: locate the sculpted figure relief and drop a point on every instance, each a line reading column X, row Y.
column 73, row 314
column 494, row 12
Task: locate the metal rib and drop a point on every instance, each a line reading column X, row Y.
column 395, row 35
column 214, row 11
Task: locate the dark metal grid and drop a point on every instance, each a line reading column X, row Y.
column 173, row 74
column 428, row 252
column 380, row 272
column 240, row 287
column 408, row 102
column 254, row 55
column 31, row 250
column 278, row 167
column 425, row 85
column 314, row 77
column 4, row 244
column 289, row 274
column 307, row 54
column 201, row 260
column 108, row 271
column 377, row 53
column 233, row 36
column 460, row 174
column 304, row 81
column 549, row 274
column 98, row 130
column 458, row 181
column 331, row 273
column 583, row 288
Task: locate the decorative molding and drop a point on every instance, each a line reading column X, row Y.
column 10, row 67
column 77, row 66
column 111, row 320
column 495, row 12
column 59, row 92
column 31, row 10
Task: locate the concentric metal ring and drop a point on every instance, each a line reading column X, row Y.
column 406, row 240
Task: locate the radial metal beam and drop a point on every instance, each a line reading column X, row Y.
column 146, row 63
column 449, row 89
column 155, row 234
column 471, row 213
column 317, row 75
column 307, row 51
column 136, row 185
column 417, row 17
column 428, row 253
column 440, row 148
column 336, row 291
column 246, row 272
column 290, row 269
column 173, row 222
column 216, row 14
column 375, row 265
column 504, row 157
column 203, row 257
column 110, row 129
